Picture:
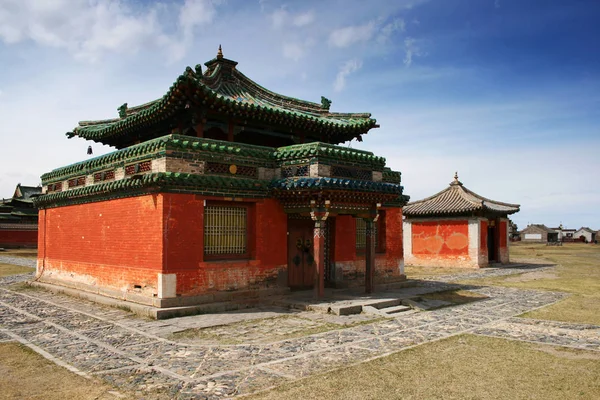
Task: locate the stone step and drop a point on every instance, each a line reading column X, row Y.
column 396, row 309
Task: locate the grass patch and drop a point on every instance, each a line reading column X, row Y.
column 463, row 367
column 25, row 253
column 27, row 375
column 455, row 296
column 577, row 272
column 10, row 269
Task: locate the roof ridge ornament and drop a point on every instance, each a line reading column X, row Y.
column 456, row 182
column 325, row 103
column 122, row 111
column 220, row 53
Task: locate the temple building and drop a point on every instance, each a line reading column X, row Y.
column 19, row 218
column 456, row 228
column 221, row 186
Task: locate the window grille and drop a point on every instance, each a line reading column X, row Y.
column 77, row 181
column 353, row 173
column 225, row 231
column 294, row 170
column 138, row 168
column 361, row 234
column 104, row 176
column 55, row 187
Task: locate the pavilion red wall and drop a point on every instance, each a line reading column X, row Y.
column 442, row 239
column 184, row 235
column 115, row 243
column 18, row 238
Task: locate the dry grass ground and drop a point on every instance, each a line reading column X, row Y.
column 577, row 272
column 463, row 367
column 10, row 269
column 27, row 375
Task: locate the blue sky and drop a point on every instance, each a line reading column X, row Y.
column 506, row 92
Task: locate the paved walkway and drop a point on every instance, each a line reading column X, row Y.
column 128, row 352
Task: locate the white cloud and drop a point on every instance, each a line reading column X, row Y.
column 293, row 51
column 388, row 30
column 278, row 18
column 91, row 29
column 410, row 50
column 304, row 19
column 348, row 68
column 195, row 13
column 349, row 35
column 496, row 3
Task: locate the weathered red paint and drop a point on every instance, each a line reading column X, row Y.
column 483, row 236
column 503, row 234
column 352, row 265
column 440, row 238
column 124, row 243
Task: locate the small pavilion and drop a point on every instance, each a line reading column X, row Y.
column 221, row 186
column 456, row 228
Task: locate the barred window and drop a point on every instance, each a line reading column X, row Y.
column 361, row 233
column 225, row 231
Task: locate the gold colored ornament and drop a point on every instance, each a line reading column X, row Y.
column 233, row 169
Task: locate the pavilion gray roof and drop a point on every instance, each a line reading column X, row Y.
column 456, row 199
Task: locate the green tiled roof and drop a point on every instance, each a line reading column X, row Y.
column 162, row 181
column 223, row 87
column 336, row 184
column 327, row 151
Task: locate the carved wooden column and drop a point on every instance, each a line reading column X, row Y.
column 319, row 215
column 369, row 255
column 198, row 120
column 370, row 249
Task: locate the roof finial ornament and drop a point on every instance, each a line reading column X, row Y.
column 456, row 181
column 220, row 53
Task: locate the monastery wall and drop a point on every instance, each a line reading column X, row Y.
column 112, row 247
column 184, row 254
column 503, row 240
column 18, row 237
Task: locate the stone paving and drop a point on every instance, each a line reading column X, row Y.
column 127, row 352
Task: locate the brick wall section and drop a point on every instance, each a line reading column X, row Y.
column 113, row 244
column 17, row 238
column 351, row 266
column 184, row 254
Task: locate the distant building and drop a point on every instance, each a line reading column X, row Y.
column 19, row 218
column 456, row 228
column 564, row 234
column 539, row 233
column 585, row 234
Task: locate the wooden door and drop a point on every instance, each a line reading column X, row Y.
column 301, row 262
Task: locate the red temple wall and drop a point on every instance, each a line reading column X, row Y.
column 350, row 265
column 503, row 232
column 267, row 242
column 16, row 238
column 115, row 243
column 444, row 239
column 483, row 236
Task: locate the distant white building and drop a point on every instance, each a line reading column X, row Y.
column 585, row 232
